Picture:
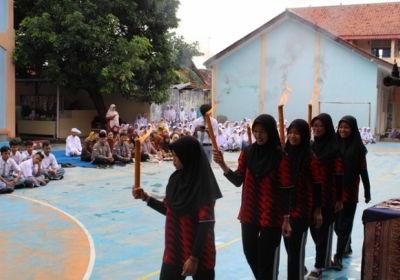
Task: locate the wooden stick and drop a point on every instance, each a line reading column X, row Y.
column 281, row 128
column 309, row 115
column 211, row 131
column 249, row 134
column 137, row 165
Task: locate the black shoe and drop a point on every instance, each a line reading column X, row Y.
column 10, row 190
column 31, row 185
column 337, row 263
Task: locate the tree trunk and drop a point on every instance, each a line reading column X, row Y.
column 99, row 105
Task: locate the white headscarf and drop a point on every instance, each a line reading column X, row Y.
column 110, row 113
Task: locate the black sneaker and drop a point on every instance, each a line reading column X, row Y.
column 315, row 274
column 337, row 263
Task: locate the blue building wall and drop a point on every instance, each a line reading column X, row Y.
column 344, row 77
column 290, row 60
column 3, row 15
column 3, row 112
column 238, row 83
column 347, row 78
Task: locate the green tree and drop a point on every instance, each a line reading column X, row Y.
column 101, row 46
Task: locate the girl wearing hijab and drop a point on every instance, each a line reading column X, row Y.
column 189, row 208
column 264, row 171
column 306, row 194
column 355, row 164
column 165, row 149
column 330, row 159
column 112, row 117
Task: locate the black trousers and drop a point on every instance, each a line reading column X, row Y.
column 87, row 158
column 173, row 272
column 344, row 226
column 295, row 248
column 323, row 238
column 261, row 247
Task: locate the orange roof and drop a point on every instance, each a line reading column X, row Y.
column 356, row 21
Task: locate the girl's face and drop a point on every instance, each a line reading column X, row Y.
column 176, row 161
column 260, row 134
column 110, row 135
column 318, row 128
column 294, row 136
column 344, row 130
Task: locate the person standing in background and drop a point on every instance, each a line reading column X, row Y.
column 112, row 117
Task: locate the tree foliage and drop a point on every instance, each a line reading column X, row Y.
column 101, row 46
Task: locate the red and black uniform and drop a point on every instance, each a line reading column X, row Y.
column 189, row 209
column 355, row 164
column 331, row 170
column 188, row 235
column 264, row 171
column 306, row 195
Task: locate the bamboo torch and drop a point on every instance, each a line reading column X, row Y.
column 281, row 128
column 210, row 128
column 309, row 115
column 138, row 142
column 249, row 134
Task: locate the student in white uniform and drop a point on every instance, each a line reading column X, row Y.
column 112, row 117
column 8, row 167
column 192, row 114
column 32, row 171
column 29, row 151
column 15, row 154
column 50, row 168
column 182, row 114
column 73, row 146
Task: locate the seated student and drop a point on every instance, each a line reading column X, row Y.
column 155, row 140
column 32, row 171
column 111, row 140
column 154, row 155
column 87, row 146
column 29, row 151
column 50, row 168
column 165, row 149
column 8, row 167
column 221, row 141
column 15, row 154
column 120, row 150
column 101, row 153
column 73, row 145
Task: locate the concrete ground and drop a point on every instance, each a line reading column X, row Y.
column 88, row 225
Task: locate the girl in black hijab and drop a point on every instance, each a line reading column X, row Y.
column 191, row 193
column 355, row 164
column 306, row 195
column 264, row 171
column 330, row 158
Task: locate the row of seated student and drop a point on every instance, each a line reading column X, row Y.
column 105, row 149
column 27, row 169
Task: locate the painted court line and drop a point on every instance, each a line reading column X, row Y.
column 89, row 237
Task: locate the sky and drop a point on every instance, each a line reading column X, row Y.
column 216, row 24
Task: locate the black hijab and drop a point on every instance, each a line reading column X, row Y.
column 325, row 147
column 300, row 155
column 164, row 145
column 260, row 159
column 195, row 185
column 353, row 150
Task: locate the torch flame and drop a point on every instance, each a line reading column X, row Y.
column 285, row 95
column 212, row 108
column 141, row 139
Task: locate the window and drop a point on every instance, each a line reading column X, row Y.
column 381, row 48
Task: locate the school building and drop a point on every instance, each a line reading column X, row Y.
column 7, row 72
column 333, row 58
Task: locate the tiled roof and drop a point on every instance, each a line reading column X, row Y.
column 355, row 20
